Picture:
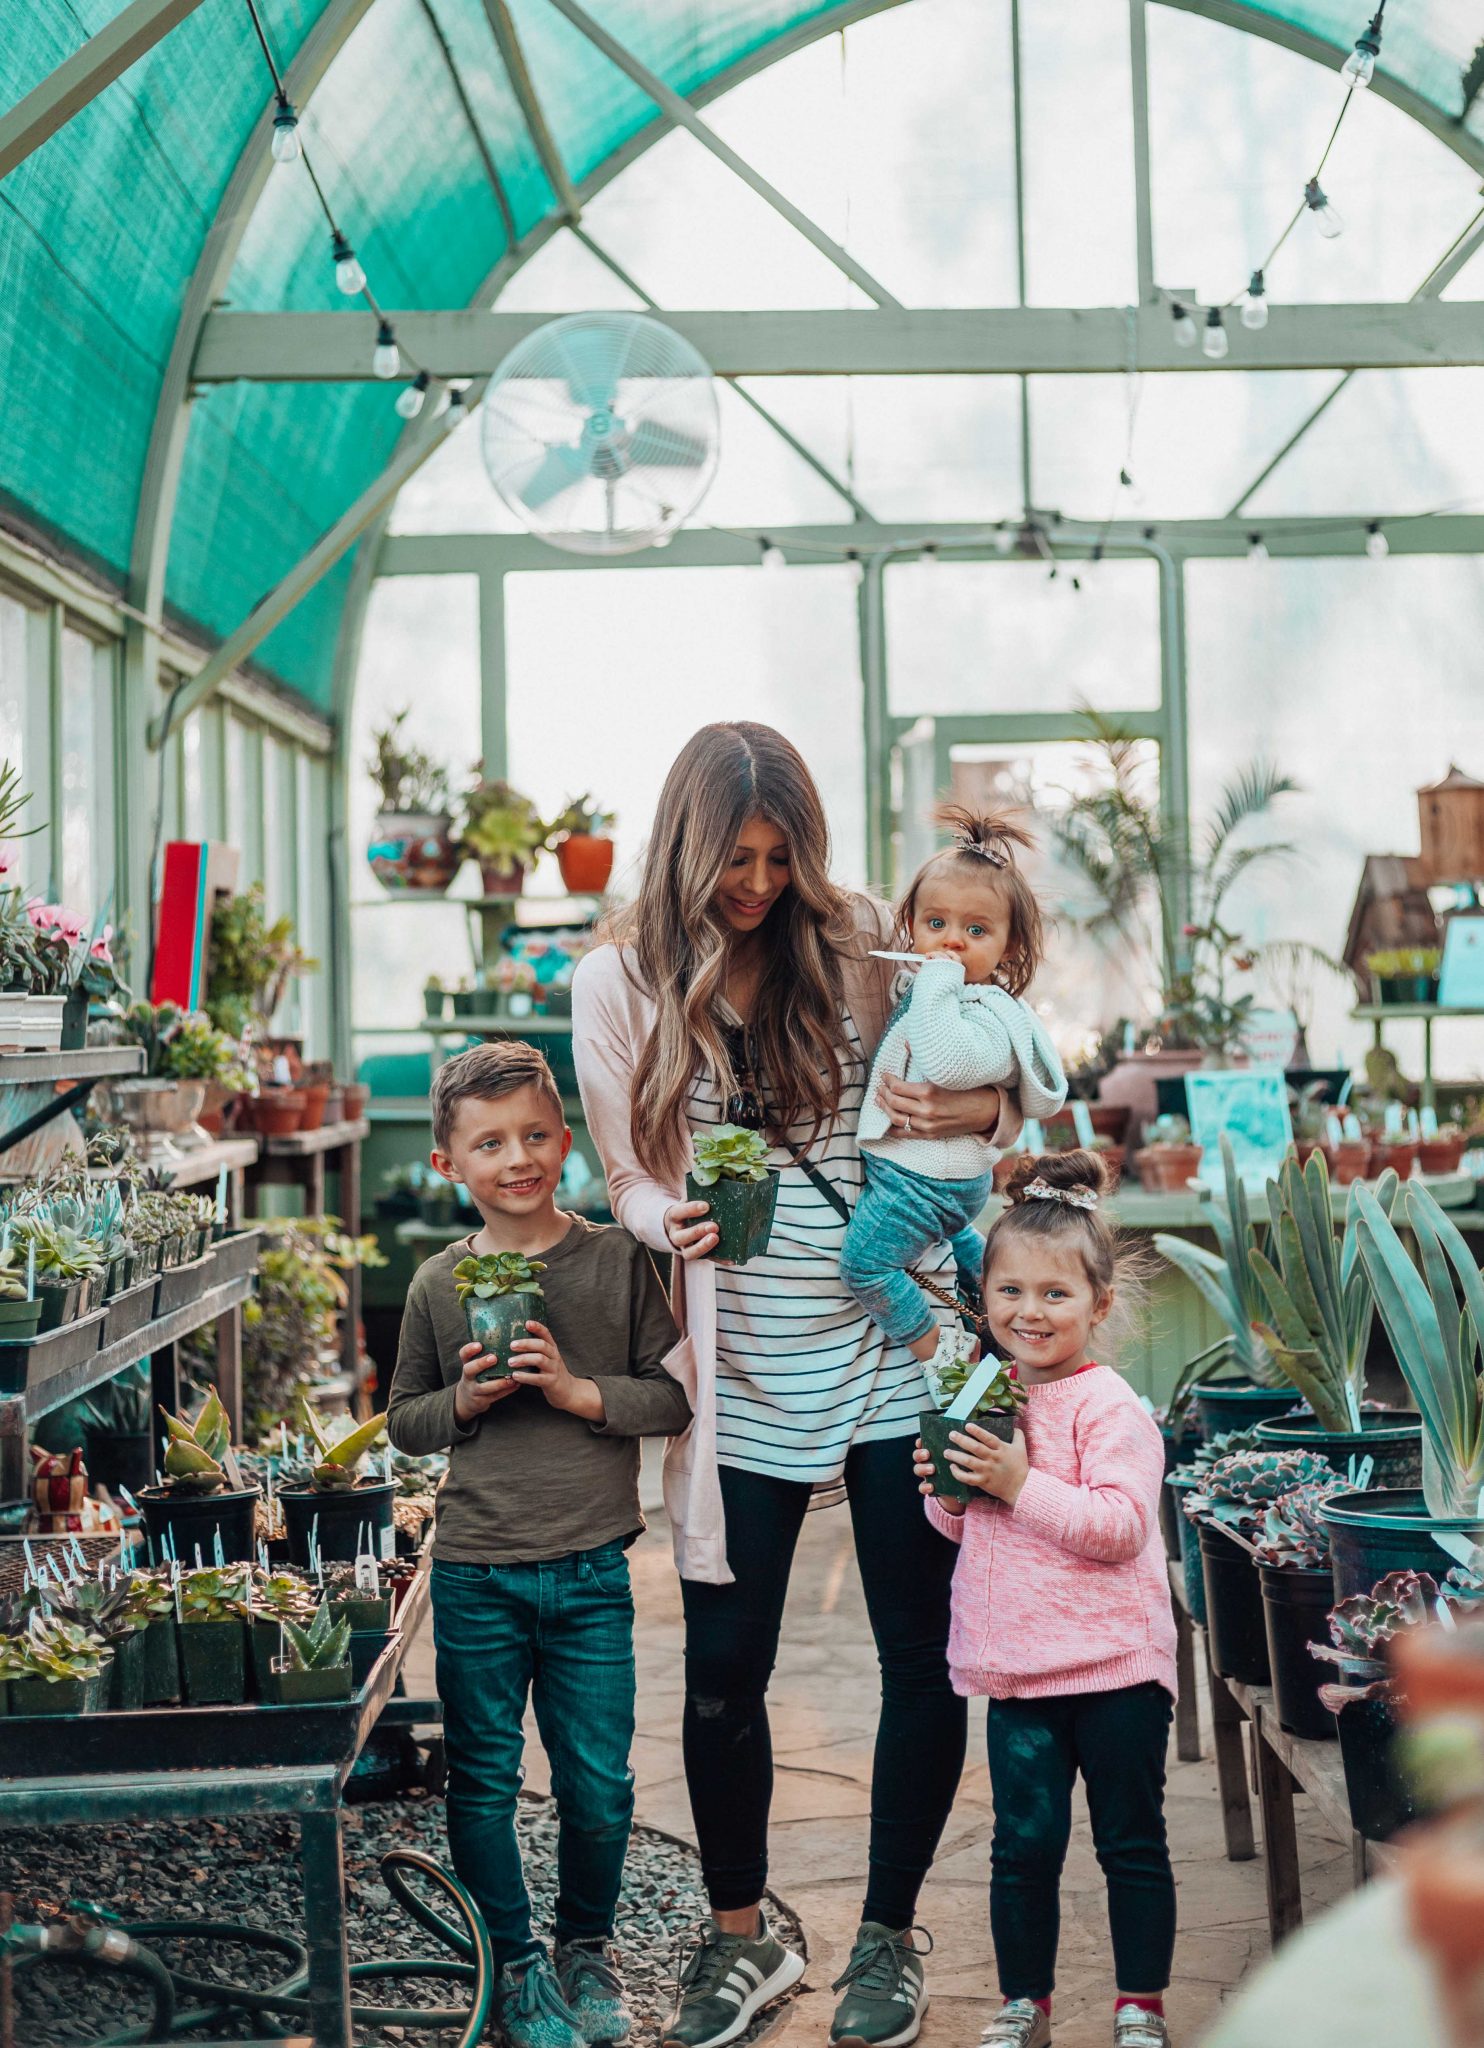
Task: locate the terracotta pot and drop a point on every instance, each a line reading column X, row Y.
column 1164, row 1169
column 1400, row 1154
column 1306, row 1148
column 586, row 862
column 1443, row 1877
column 500, row 878
column 1347, row 1160
column 1441, row 1155
column 357, row 1095
column 316, row 1094
column 1440, row 1671
column 1133, row 1083
column 280, row 1111
column 335, row 1104
column 1109, row 1120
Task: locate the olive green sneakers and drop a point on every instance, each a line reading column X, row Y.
column 725, row 1980
column 884, row 1993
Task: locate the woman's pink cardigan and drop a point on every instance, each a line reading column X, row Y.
column 612, row 1018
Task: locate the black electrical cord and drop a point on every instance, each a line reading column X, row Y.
column 107, row 1944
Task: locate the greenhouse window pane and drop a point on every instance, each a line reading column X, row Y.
column 1079, row 177
column 14, row 647
column 1392, row 441
column 87, row 848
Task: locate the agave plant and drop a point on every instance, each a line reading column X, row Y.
column 1227, row 1282
column 1438, row 1341
column 1319, row 1302
column 337, row 1465
column 729, row 1152
column 1293, row 1531
column 1236, row 1490
column 194, row 1453
column 1361, row 1626
column 322, row 1645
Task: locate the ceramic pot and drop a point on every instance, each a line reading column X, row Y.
column 586, row 862
column 1133, row 1083
column 280, row 1111
column 502, row 878
column 1441, row 1155
column 1165, row 1169
column 1400, row 1154
column 497, row 1322
column 316, row 1094
column 935, row 1429
column 357, row 1096
column 742, row 1211
column 160, row 1114
column 1348, row 1160
column 414, row 850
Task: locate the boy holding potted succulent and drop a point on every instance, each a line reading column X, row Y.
column 530, row 1582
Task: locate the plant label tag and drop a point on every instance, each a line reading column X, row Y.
column 1393, row 1123
column 1033, row 1137
column 1360, row 1472
column 1334, row 1130
column 973, row 1388
column 1462, row 1549
column 1082, row 1124
column 1427, row 1122
column 1352, row 1126
column 388, row 1543
column 367, row 1579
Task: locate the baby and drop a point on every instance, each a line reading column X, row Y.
column 973, row 923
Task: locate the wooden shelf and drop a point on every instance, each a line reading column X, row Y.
column 1379, row 1013
column 91, row 1063
column 75, row 1380
column 204, row 1162
column 304, row 1144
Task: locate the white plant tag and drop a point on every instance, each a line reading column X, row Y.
column 367, row 1578
column 388, row 1543
column 1360, row 1472
column 1352, row 1125
column 1082, row 1124
column 1033, row 1137
column 1462, row 1549
column 973, row 1390
column 1334, row 1130
column 1393, row 1122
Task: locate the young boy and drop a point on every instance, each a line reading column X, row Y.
column 530, row 1581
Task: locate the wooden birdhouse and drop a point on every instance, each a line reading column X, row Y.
column 1452, row 814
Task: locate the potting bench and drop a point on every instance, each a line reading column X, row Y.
column 301, row 1159
column 191, row 1784
column 1280, row 1765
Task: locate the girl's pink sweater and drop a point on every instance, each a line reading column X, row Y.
column 1067, row 1591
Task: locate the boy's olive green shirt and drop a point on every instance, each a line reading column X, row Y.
column 527, row 1481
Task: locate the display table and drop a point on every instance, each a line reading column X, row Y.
column 1134, row 1208
column 1379, row 1014
column 302, row 1159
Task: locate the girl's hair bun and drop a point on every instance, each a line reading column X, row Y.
column 1074, row 1172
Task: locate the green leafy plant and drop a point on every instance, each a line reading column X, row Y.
column 152, row 1026
column 1318, row 1299
column 1436, row 1338
column 728, row 1152
column 283, row 1596
column 1227, row 1282
column 1226, row 1445
column 151, row 1595
column 1293, row 1531
column 1237, row 1490
column 291, row 1326
column 108, row 1611
column 581, row 815
column 250, row 962
column 21, row 965
column 213, row 1593
column 1168, row 1130
column 197, row 1051
column 12, row 1275
column 501, row 827
column 1411, row 962
column 338, row 1460
column 194, row 1453
column 407, row 779
column 319, row 1647
column 488, row 1275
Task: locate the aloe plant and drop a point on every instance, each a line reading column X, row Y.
column 488, row 1275
column 338, row 1459
column 728, row 1152
column 194, row 1454
column 1227, row 1282
column 1437, row 1341
column 319, row 1647
column 1319, row 1300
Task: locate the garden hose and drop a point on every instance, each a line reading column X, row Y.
column 91, row 1936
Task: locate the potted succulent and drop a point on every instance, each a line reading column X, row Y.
column 20, row 1312
column 1309, row 1111
column 412, row 841
column 159, row 1107
column 1186, row 1479
column 995, row 1409
column 57, row 1667
column 343, row 1510
column 211, row 1609
column 502, row 830
column 1167, row 1160
column 152, row 1602
column 1405, row 975
column 1228, row 1508
column 732, row 1176
column 198, row 1051
column 500, row 1292
column 363, row 1606
column 1291, row 1548
column 197, row 1501
column 1363, row 1698
column 1443, row 1152
column 1389, row 1153
column 583, row 839
column 1349, row 1158
column 108, row 1612
column 69, row 1271
column 435, row 999
column 277, row 1596
column 313, row 1663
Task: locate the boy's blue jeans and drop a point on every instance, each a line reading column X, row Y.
column 562, row 1631
column 899, row 1217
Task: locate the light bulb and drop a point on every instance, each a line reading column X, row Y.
column 1326, row 219
column 410, row 400
column 385, row 361
column 1004, row 539
column 1377, row 546
column 1359, row 68
column 285, row 145
column 1215, row 342
column 1255, row 307
column 349, row 276
column 1186, row 331
column 456, row 406
column 857, row 568
column 929, row 556
column 1257, row 548
column 773, row 558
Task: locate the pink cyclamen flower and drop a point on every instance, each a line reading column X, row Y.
column 43, row 916
column 10, row 856
column 99, row 950
column 71, row 926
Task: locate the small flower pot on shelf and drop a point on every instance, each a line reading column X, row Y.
column 1441, row 1154
column 213, row 1665
column 1392, row 1441
column 1382, row 1800
column 586, row 862
column 1166, row 1169
column 60, row 1695
column 1397, row 1154
column 367, row 1646
column 1384, row 1530
column 31, row 1023
column 280, row 1111
column 126, row 1683
column 502, row 878
column 74, row 1019
column 62, row 1301
column 161, row 1662
column 1348, row 1160
column 471, row 1002
column 414, row 850
column 20, row 1320
column 316, row 1095
column 357, row 1096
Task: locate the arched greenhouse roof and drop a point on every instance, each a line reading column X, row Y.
column 154, row 202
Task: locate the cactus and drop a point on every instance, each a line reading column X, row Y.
column 1236, row 1490
column 1293, row 1532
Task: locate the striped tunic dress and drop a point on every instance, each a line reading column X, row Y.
column 802, row 1372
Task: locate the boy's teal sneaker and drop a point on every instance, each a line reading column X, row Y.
column 593, row 1990
column 725, row 1980
column 530, row 2010
column 885, row 1996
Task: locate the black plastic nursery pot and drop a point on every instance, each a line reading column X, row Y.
column 126, row 1681
column 53, row 1696
column 1235, row 1631
column 161, row 1663
column 1237, row 1404
column 935, row 1429
column 62, row 1302
column 116, row 1460
column 364, row 1611
column 1295, row 1606
column 742, row 1211
column 130, row 1311
column 366, row 1646
column 1393, row 1443
column 1381, row 1798
column 306, row 1688
column 213, row 1664
column 342, row 1523
column 1387, row 1530
column 191, row 1522
column 1175, row 1490
column 497, row 1321
column 122, row 1274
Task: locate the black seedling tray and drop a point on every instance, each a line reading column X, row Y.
column 180, row 1738
column 178, row 1286
column 53, row 1351
column 236, row 1252
column 131, row 1310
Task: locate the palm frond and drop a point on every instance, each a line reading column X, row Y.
column 1249, row 793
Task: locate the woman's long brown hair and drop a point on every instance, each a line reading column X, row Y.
column 723, row 776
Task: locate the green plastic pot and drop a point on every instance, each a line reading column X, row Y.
column 364, row 1610
column 1190, row 1550
column 161, row 1663
column 1386, row 1529
column 742, row 1211
column 122, row 1273
column 19, row 1320
column 305, row 1688
column 935, row 1430
column 4, row 1697
column 497, row 1322
column 61, row 1303
column 213, row 1667
column 126, row 1681
column 1393, row 1443
column 60, row 1696
column 1237, row 1404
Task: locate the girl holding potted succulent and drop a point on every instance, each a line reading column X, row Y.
column 742, row 988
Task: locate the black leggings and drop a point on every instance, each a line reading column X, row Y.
column 731, row 1640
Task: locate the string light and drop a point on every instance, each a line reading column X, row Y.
column 929, row 556
column 385, row 361
column 286, row 145
column 772, row 558
column 1255, row 306
column 1186, row 331
column 410, row 399
column 349, row 276
column 1359, row 68
column 1257, row 548
column 1326, row 219
column 456, row 409
column 1215, row 342
column 1377, row 546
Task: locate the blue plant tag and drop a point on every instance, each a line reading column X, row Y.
column 1082, row 1124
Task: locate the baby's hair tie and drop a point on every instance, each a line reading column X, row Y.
column 1075, row 1198
column 995, row 855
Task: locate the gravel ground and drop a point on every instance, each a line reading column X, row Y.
column 248, row 1870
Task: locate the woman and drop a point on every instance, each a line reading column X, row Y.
column 740, row 987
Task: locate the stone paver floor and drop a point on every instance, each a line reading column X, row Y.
column 823, row 1709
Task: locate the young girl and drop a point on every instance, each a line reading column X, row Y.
column 1061, row 1609
column 959, row 1022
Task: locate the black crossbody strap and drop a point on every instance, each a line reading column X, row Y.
column 821, row 1180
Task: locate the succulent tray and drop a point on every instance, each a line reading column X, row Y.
column 236, row 1252
column 51, row 1352
column 131, row 1310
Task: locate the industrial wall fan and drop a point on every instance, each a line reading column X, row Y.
column 601, row 432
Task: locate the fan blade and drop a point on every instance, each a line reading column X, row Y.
column 557, row 471
column 589, row 366
column 668, row 447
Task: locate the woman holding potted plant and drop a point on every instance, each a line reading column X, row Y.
column 742, row 988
